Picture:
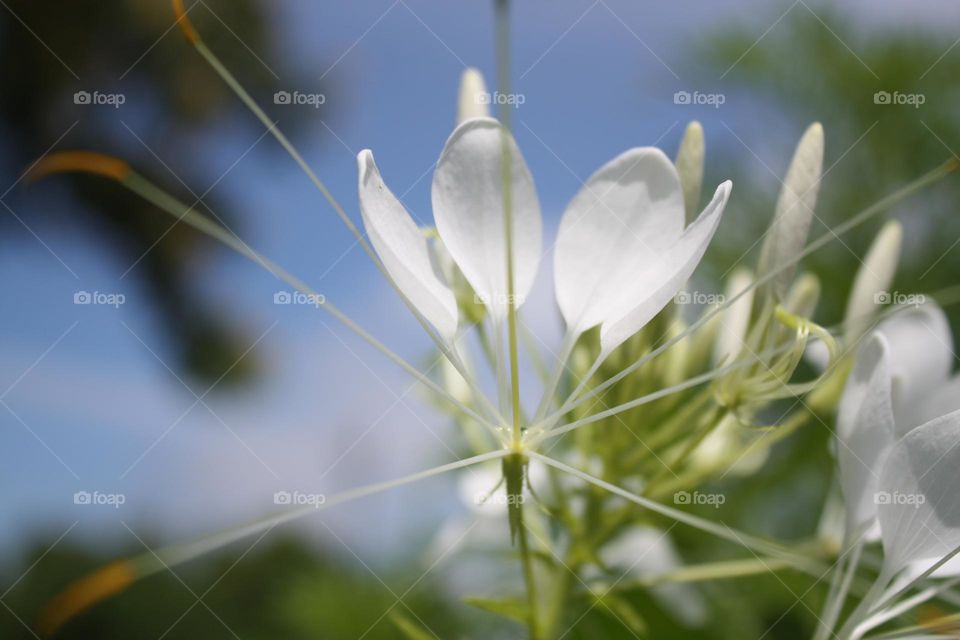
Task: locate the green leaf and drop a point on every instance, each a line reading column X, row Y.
column 512, row 609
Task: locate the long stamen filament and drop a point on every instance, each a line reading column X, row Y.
column 724, row 532
column 122, row 173
column 244, row 96
column 117, row 576
column 566, row 348
column 542, row 434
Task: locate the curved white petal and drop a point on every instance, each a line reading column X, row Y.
column 403, row 249
column 939, row 402
column 654, row 283
column 469, row 211
column 642, row 552
column 921, row 356
column 624, row 216
column 865, row 432
column 920, row 506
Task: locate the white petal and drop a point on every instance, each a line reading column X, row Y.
column 473, row 101
column 865, row 432
column 921, row 356
column 644, row 552
column 403, row 249
column 622, row 218
column 469, row 212
column 655, row 283
column 794, row 211
column 939, row 402
column 920, row 510
column 872, row 280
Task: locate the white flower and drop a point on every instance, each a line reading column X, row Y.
column 622, row 250
column 899, row 433
column 644, row 552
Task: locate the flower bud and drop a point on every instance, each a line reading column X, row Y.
column 793, row 214
column 872, row 281
column 689, row 165
column 473, row 100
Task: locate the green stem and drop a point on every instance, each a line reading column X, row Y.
column 506, row 165
column 527, row 560
column 711, row 571
column 561, row 584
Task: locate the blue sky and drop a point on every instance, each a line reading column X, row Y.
column 93, row 405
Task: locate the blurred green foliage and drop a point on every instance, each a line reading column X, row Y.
column 285, row 588
column 282, row 588
column 53, row 49
column 819, row 65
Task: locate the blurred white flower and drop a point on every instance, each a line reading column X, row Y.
column 899, row 431
column 644, row 552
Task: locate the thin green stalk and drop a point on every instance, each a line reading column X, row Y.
column 724, row 532
column 121, row 574
column 153, row 194
column 538, row 435
column 550, row 388
column 838, row 597
column 710, row 571
column 506, row 167
column 867, row 604
column 526, row 558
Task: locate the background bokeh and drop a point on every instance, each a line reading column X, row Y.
column 198, row 397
